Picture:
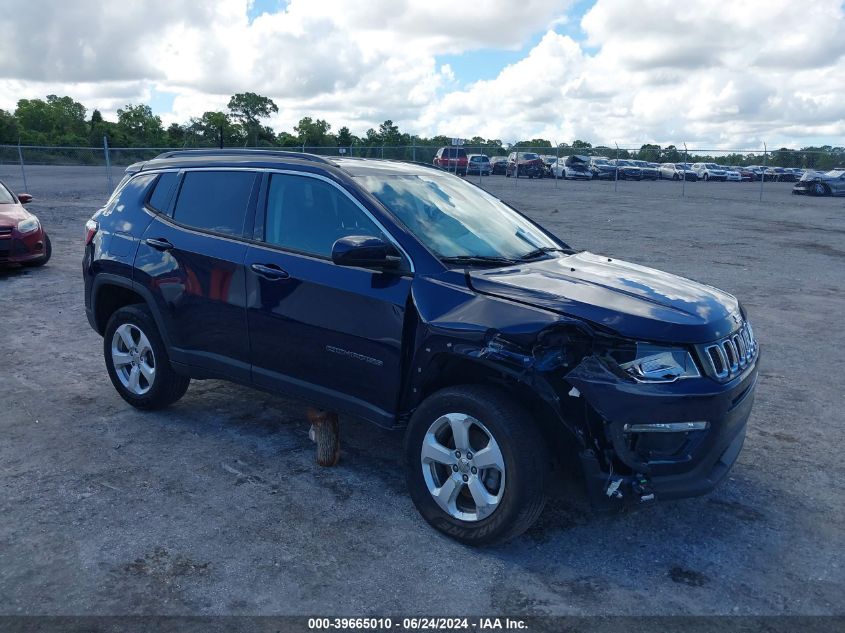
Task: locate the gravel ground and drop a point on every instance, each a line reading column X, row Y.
column 215, row 506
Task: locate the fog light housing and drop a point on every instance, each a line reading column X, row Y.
column 666, row 427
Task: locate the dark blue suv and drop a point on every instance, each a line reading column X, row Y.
column 406, row 296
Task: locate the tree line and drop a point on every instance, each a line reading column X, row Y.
column 61, row 121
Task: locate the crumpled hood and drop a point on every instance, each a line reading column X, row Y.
column 634, row 301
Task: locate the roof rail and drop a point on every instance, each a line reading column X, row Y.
column 243, row 152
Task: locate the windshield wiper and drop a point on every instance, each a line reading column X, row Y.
column 539, row 252
column 479, row 260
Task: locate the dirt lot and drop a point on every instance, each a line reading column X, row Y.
column 215, row 505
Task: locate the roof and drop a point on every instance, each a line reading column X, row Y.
column 277, row 158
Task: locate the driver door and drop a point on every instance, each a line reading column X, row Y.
column 317, row 330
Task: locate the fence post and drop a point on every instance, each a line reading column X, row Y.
column 23, row 171
column 414, row 152
column 616, row 178
column 557, row 161
column 684, row 174
column 108, row 162
column 763, row 175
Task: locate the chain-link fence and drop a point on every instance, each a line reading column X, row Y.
column 25, row 167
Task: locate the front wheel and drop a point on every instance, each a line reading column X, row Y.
column 475, row 464
column 819, row 189
column 48, row 253
column 137, row 360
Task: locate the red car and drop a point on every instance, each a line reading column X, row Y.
column 451, row 159
column 22, row 238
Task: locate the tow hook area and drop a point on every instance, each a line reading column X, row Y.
column 615, row 492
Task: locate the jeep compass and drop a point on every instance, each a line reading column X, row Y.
column 406, row 296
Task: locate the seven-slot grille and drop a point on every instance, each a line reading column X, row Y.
column 731, row 355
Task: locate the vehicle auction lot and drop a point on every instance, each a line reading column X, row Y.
column 215, row 505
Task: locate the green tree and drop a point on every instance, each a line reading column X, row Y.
column 312, row 133
column 9, row 130
column 140, row 126
column 248, row 108
column 579, row 144
column 650, row 153
column 58, row 120
column 344, row 137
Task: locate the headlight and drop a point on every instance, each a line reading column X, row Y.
column 661, row 364
column 28, row 225
column 647, row 362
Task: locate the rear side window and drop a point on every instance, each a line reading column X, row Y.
column 215, row 200
column 160, row 198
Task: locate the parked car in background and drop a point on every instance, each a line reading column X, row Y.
column 797, row 172
column 758, row 171
column 814, row 183
column 22, row 238
column 409, row 298
column 601, row 168
column 648, row 171
column 498, row 164
column 626, row 169
column 573, row 168
column 779, row 174
column 708, row 171
column 452, row 159
column 745, row 174
column 479, row 164
column 676, row 171
column 521, row 164
column 731, row 175
column 548, row 163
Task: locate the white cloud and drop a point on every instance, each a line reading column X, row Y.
column 725, row 73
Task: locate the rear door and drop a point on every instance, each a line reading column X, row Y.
column 192, row 261
column 324, row 332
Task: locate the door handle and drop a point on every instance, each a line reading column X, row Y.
column 160, row 244
column 269, row 271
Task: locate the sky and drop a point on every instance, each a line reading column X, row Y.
column 721, row 74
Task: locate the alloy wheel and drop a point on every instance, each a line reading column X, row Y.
column 133, row 359
column 463, row 467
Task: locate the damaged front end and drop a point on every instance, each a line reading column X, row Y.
column 661, row 426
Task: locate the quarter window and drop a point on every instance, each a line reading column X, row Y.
column 163, row 189
column 308, row 215
column 215, row 200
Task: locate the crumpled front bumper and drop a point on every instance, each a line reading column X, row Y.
column 634, row 468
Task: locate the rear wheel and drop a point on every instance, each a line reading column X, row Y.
column 137, row 361
column 475, row 464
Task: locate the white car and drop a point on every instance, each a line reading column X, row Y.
column 676, row 171
column 731, row 175
column 572, row 168
column 709, row 171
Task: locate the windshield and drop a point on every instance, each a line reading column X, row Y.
column 453, row 218
column 600, row 161
column 6, row 196
column 711, row 165
column 527, row 156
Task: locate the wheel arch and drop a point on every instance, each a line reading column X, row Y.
column 451, row 370
column 112, row 292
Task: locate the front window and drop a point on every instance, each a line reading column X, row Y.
column 6, row 196
column 455, row 219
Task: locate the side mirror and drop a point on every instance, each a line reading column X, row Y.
column 364, row 251
column 25, row 198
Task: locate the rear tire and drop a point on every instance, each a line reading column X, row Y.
column 503, row 462
column 137, row 360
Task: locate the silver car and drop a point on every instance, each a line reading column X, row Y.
column 831, row 183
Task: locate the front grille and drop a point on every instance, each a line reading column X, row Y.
column 5, row 231
column 731, row 355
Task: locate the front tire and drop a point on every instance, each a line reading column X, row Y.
column 819, row 189
column 475, row 464
column 137, row 360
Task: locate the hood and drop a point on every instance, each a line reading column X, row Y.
column 11, row 214
column 634, row 301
